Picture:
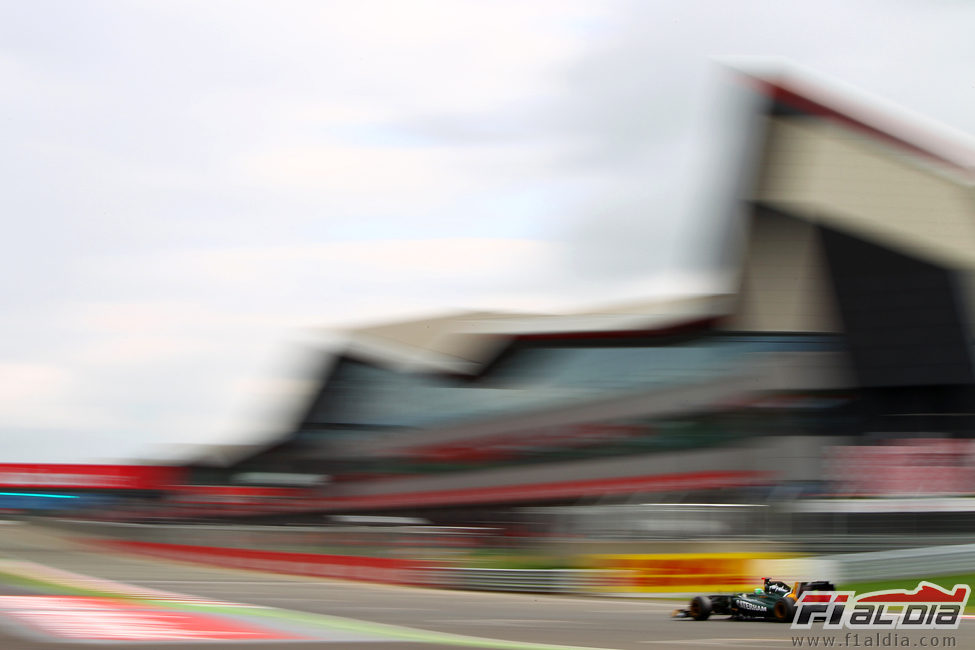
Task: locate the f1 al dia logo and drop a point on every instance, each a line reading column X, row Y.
column 928, row 607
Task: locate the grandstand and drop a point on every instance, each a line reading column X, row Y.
column 853, row 323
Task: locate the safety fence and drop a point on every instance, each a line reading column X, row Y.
column 348, row 567
column 902, row 563
column 608, row 574
column 552, row 581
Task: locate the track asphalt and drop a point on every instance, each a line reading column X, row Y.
column 297, row 612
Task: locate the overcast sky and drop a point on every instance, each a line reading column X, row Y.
column 189, row 187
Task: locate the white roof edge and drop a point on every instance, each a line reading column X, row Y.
column 405, row 358
column 651, row 315
column 668, row 313
column 952, row 144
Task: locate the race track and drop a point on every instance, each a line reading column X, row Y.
column 318, row 613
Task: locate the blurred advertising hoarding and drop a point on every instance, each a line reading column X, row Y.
column 86, row 477
column 666, row 573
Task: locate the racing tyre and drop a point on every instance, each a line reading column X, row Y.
column 700, row 608
column 784, row 610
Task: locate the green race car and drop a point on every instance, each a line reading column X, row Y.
column 774, row 601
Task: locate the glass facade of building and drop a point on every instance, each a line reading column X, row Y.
column 542, row 375
column 363, row 401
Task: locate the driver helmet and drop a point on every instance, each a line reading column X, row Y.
column 759, row 591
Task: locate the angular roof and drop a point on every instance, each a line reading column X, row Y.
column 462, row 342
column 827, row 158
column 877, row 175
column 797, row 92
column 453, row 343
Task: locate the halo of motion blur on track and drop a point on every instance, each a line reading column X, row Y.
column 775, row 601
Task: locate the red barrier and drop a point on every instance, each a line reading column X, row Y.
column 113, row 477
column 348, row 567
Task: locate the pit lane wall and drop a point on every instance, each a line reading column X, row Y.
column 319, row 565
column 605, row 574
column 671, row 573
column 610, row 575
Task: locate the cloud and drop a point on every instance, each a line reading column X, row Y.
column 206, row 288
column 27, row 384
column 190, row 342
column 371, row 175
column 188, row 185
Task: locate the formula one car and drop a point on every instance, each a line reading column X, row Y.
column 775, row 601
